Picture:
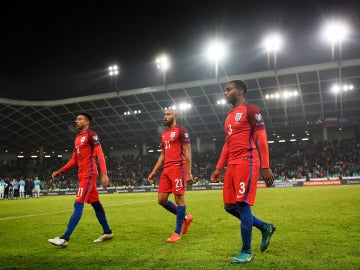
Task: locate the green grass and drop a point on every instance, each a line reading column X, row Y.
column 317, row 228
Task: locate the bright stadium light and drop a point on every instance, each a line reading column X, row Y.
column 221, row 102
column 336, row 32
column 336, row 88
column 216, row 52
column 286, row 94
column 163, row 64
column 183, row 106
column 113, row 70
column 273, row 43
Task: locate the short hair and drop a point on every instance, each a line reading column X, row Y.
column 239, row 84
column 87, row 115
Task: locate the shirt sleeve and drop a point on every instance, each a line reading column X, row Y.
column 261, row 138
column 94, row 141
column 101, row 158
column 223, row 157
column 71, row 163
column 184, row 135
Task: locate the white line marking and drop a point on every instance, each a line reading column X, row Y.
column 59, row 212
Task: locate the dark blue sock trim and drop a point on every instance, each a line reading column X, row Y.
column 74, row 220
column 233, row 210
column 171, row 207
column 100, row 214
column 246, row 225
column 180, row 216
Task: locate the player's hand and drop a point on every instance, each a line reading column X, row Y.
column 215, row 176
column 267, row 176
column 56, row 174
column 104, row 180
column 189, row 179
column 151, row 177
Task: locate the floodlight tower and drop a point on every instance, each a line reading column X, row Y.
column 162, row 63
column 114, row 72
column 216, row 52
column 273, row 43
column 335, row 33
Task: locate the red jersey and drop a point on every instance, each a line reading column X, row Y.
column 172, row 140
column 244, row 124
column 87, row 147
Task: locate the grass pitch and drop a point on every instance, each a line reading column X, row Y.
column 317, row 228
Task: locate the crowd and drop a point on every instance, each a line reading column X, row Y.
column 300, row 160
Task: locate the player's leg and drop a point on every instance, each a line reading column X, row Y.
column 177, row 176
column 235, row 192
column 81, row 197
column 164, row 191
column 74, row 220
column 100, row 214
column 180, row 213
column 229, row 196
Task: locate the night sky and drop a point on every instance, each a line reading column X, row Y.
column 62, row 49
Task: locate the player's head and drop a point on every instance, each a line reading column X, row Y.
column 170, row 116
column 235, row 91
column 87, row 115
column 240, row 85
column 83, row 121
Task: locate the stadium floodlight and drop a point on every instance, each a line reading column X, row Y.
column 221, row 102
column 113, row 70
column 336, row 31
column 337, row 89
column 284, row 94
column 184, row 106
column 273, row 43
column 113, row 73
column 163, row 63
column 216, row 52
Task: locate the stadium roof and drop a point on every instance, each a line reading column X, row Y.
column 27, row 125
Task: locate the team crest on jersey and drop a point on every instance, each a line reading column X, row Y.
column 258, row 117
column 82, row 140
column 172, row 134
column 238, row 116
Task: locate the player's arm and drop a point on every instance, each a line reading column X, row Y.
column 71, row 163
column 157, row 166
column 188, row 162
column 260, row 138
column 224, row 156
column 101, row 159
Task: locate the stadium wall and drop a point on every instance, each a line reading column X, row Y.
column 261, row 184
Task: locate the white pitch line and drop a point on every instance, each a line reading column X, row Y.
column 85, row 208
column 53, row 213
